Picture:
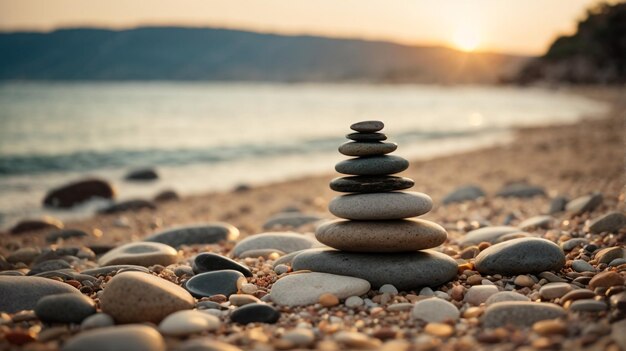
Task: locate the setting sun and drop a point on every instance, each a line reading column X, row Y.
column 466, row 39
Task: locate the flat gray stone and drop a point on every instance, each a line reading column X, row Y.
column 124, row 337
column 585, row 203
column 520, row 256
column 464, row 193
column 108, row 270
column 478, row 294
column 309, row 286
column 588, row 305
column 521, row 190
column 405, row 271
column 284, row 241
column 373, row 165
column 554, row 290
column 203, row 233
column 141, row 254
column 611, row 222
column 370, row 184
column 503, row 296
column 356, row 148
column 381, row 206
column 290, row 220
column 64, row 308
column 582, row 266
column 367, row 126
column 543, row 222
column 519, row 313
column 188, row 322
column 486, row 234
column 573, row 243
column 435, row 310
column 22, row 293
column 367, row 136
column 381, row 236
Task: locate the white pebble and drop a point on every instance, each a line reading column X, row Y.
column 427, row 292
column 388, row 288
column 248, row 288
column 353, row 301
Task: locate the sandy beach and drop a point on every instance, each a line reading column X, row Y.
column 571, row 160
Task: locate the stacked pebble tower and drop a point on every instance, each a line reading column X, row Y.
column 377, row 238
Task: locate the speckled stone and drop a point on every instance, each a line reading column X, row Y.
column 141, row 254
column 132, row 297
column 381, row 206
column 520, row 313
column 367, row 136
column 405, row 271
column 435, row 310
column 213, row 283
column 373, row 165
column 370, row 184
column 22, row 293
column 310, row 286
column 487, row 234
column 64, row 308
column 203, row 233
column 356, row 148
column 520, row 256
column 209, row 261
column 367, row 126
column 255, row 313
column 124, row 337
column 381, row 236
column 284, row 241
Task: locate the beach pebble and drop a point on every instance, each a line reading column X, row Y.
column 255, row 313
column 131, row 297
column 328, row 300
column 283, row 241
column 588, row 305
column 25, row 255
column 380, row 206
column 370, row 184
column 441, row 330
column 405, row 271
column 108, row 270
column 435, row 310
column 366, row 137
column 64, row 308
column 75, row 193
column 610, row 223
column 125, row 337
column 265, row 253
column 309, row 287
column 606, row 280
column 141, row 254
column 371, row 126
column 183, row 323
column 353, row 301
column 519, row 313
column 542, row 222
column 49, row 265
column 290, row 220
column 503, row 296
column 64, row 234
column 554, row 290
column 582, row 266
column 585, row 203
column 464, row 193
column 356, row 340
column 23, row 293
column 570, row 244
column 29, row 225
column 142, row 174
column 521, row 190
column 550, row 327
column 166, row 195
column 97, row 320
column 557, row 204
column 209, row 261
column 206, row 344
column 373, row 165
column 299, row 337
column 609, row 254
column 203, row 233
column 524, row 280
column 375, row 236
column 520, row 256
column 478, row 294
column 486, row 234
column 577, row 294
column 356, row 148
column 207, row 284
column 128, row 205
column 242, row 299
column 388, row 288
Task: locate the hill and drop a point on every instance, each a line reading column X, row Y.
column 174, row 53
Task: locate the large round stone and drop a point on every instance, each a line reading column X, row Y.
column 124, row 337
column 22, row 293
column 204, row 233
column 75, row 193
column 520, row 256
column 381, row 236
column 405, row 271
column 141, row 254
column 367, row 126
column 356, row 148
column 370, row 184
column 133, row 297
column 310, row 286
column 381, row 206
column 373, row 165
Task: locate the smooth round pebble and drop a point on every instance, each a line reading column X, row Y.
column 366, row 137
column 203, row 233
column 554, row 290
column 388, row 288
column 98, row 320
column 183, row 323
column 381, row 206
column 64, row 308
column 372, row 165
column 370, row 184
column 588, row 305
column 519, row 313
column 125, row 337
column 213, row 283
column 209, row 261
column 283, row 241
column 22, row 293
column 435, row 310
column 255, row 313
column 353, row 301
column 487, row 234
column 299, row 337
column 503, row 296
column 141, row 254
column 310, row 286
column 478, row 294
column 356, row 148
column 582, row 266
column 371, row 126
column 520, row 256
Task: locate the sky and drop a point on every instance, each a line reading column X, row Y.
column 513, row 26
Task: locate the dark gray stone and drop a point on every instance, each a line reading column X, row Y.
column 520, row 313
column 133, row 337
column 370, row 184
column 166, row 195
column 64, row 308
column 367, row 126
column 557, row 204
column 464, row 193
column 367, row 136
column 129, row 205
column 73, row 194
column 143, row 174
column 520, row 256
column 584, row 204
column 22, row 293
column 213, row 283
column 610, row 223
column 208, row 262
column 356, row 148
column 373, row 165
column 255, row 313
column 204, row 233
column 30, row 225
column 522, row 190
column 572, row 243
column 52, row 237
column 51, row 265
column 405, row 271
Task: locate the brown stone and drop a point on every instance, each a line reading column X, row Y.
column 606, row 280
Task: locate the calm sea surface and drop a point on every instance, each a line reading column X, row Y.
column 213, row 136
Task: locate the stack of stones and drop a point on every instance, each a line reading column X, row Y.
column 377, row 239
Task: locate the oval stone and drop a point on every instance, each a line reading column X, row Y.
column 381, row 236
column 373, row 165
column 435, row 310
column 213, row 283
column 405, row 271
column 310, row 286
column 519, row 313
column 64, row 308
column 208, row 262
column 124, row 337
column 284, row 241
column 356, row 148
column 22, row 293
column 75, row 193
column 204, row 233
column 133, row 297
column 367, row 136
column 381, row 206
column 367, row 126
column 520, row 256
column 370, row 184
column 487, row 234
column 140, row 254
column 187, row 322
column 255, row 313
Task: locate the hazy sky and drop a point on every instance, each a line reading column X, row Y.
column 524, row 26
